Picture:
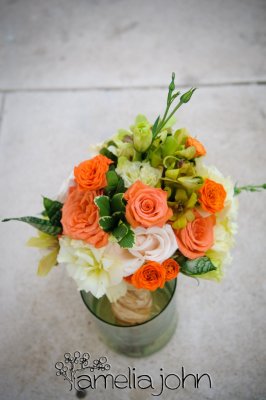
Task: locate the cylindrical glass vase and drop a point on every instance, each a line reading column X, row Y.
column 141, row 339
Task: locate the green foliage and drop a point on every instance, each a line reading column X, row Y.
column 115, row 183
column 128, row 240
column 112, row 216
column 41, row 224
column 198, row 266
column 249, row 188
column 159, row 125
column 53, row 210
column 105, row 152
column 51, row 223
column 107, row 223
column 103, row 204
column 118, row 203
column 120, row 231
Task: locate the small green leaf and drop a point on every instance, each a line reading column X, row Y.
column 47, row 262
column 42, row 225
column 105, row 152
column 103, row 204
column 55, row 219
column 53, row 210
column 198, row 266
column 128, row 240
column 118, row 216
column 120, row 231
column 112, row 180
column 120, row 186
column 107, row 223
column 118, row 203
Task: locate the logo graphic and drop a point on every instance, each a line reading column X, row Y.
column 83, row 373
column 77, row 364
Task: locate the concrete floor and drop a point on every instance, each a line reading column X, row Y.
column 71, row 74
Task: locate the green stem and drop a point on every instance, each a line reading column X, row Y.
column 249, row 188
column 173, row 112
column 161, row 124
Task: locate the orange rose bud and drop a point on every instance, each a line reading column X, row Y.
column 150, row 276
column 212, row 196
column 200, row 149
column 91, row 174
column 197, row 237
column 172, row 269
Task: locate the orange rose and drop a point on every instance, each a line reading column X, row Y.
column 171, row 268
column 150, row 276
column 80, row 218
column 197, row 237
column 90, row 174
column 146, row 206
column 200, row 149
column 212, row 196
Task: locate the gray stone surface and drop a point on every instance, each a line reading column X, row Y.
column 59, row 44
column 221, row 325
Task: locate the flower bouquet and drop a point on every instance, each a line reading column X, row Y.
column 130, row 219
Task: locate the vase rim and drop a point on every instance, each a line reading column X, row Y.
column 130, row 326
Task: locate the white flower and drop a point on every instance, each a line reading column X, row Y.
column 63, row 191
column 131, row 171
column 155, row 243
column 99, row 271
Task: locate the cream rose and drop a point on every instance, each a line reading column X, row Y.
column 154, row 244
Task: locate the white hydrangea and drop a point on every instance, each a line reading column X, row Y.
column 131, row 171
column 99, row 271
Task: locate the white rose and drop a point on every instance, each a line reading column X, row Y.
column 155, row 244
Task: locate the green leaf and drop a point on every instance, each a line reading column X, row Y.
column 118, row 203
column 112, row 180
column 128, row 240
column 47, row 263
column 155, row 126
column 105, row 152
column 120, row 186
column 199, row 266
column 53, row 209
column 42, row 225
column 55, row 219
column 107, row 223
column 103, row 204
column 120, row 231
column 118, row 216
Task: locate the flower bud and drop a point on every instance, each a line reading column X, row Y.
column 187, row 96
column 142, row 134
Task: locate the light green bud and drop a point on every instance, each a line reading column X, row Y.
column 142, row 134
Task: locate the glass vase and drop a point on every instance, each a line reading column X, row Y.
column 140, row 339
